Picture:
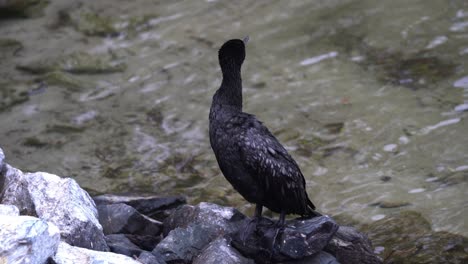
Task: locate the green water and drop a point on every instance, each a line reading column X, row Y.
column 369, row 97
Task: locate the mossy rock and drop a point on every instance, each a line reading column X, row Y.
column 77, row 63
column 407, row 238
column 66, row 80
column 11, row 95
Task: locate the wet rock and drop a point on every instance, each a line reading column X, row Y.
column 320, row 258
column 8, row 210
column 153, row 206
column 119, row 243
column 57, row 200
column 93, row 24
column 65, row 80
column 21, row 8
column 407, row 238
column 391, row 204
column 122, row 218
column 144, row 242
column 26, row 239
column 2, row 158
column 9, row 47
column 224, row 220
column 181, row 245
column 299, row 239
column 220, row 251
column 67, row 254
column 351, row 247
column 150, row 258
column 77, row 63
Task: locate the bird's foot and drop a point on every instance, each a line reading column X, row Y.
column 249, row 228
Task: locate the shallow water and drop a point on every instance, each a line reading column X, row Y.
column 369, row 97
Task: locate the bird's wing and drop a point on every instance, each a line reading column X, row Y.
column 270, row 163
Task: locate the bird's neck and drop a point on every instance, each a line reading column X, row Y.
column 230, row 92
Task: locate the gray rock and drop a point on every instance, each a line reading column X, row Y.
column 150, row 258
column 320, row 258
column 26, row 239
column 153, row 206
column 119, row 243
column 224, row 220
column 10, row 210
column 352, row 247
column 60, row 201
column 181, row 245
column 220, row 251
column 124, row 219
column 67, row 254
column 2, row 158
column 144, row 242
column 299, row 239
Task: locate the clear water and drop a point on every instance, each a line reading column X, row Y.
column 369, row 97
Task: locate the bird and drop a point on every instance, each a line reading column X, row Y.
column 250, row 157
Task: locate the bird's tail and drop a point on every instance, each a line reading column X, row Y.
column 311, row 209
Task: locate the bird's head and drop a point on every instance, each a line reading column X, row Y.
column 231, row 55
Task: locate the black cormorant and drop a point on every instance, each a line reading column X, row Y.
column 249, row 156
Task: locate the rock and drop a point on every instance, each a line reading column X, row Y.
column 224, row 220
column 144, row 242
column 150, row 258
column 220, row 251
column 153, row 206
column 21, row 8
column 10, row 210
column 299, row 239
column 122, row 218
column 12, row 94
column 77, row 63
column 119, row 243
column 181, row 245
column 92, row 23
column 26, row 239
column 320, row 258
column 60, row 201
column 351, row 247
column 407, row 237
column 66, row 80
column 2, row 158
column 67, row 254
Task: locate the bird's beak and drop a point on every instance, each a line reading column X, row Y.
column 246, row 39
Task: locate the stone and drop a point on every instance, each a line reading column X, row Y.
column 224, row 220
column 352, row 247
column 10, row 210
column 300, row 238
column 150, row 258
column 2, row 158
column 144, row 242
column 67, row 254
column 27, row 239
column 181, row 245
column 57, row 200
column 153, row 206
column 124, row 219
column 119, row 243
column 320, row 258
column 220, row 251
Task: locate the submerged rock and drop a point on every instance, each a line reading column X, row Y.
column 60, row 201
column 220, row 251
column 153, row 206
column 12, row 94
column 122, row 218
column 26, row 239
column 67, row 254
column 77, row 63
column 299, row 239
column 407, row 238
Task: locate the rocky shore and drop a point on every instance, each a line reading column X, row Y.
column 49, row 219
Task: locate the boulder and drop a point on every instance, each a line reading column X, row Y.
column 352, row 247
column 224, row 220
column 124, row 219
column 150, row 258
column 120, row 244
column 67, row 254
column 10, row 210
column 300, row 238
column 2, row 158
column 220, row 251
column 157, row 207
column 57, row 200
column 27, row 239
